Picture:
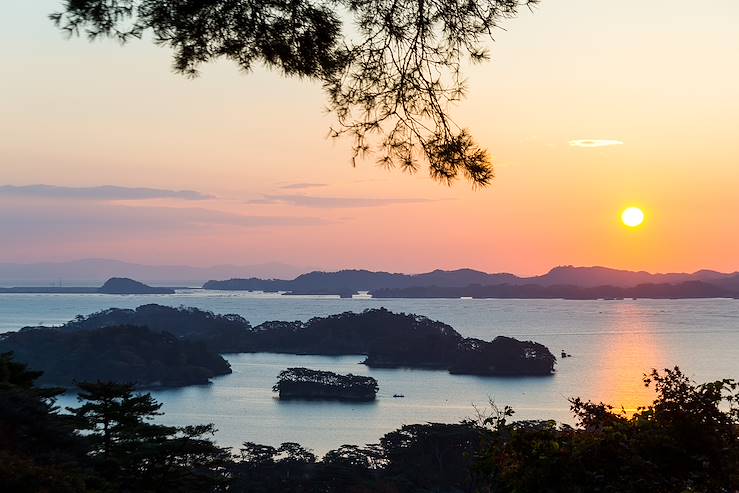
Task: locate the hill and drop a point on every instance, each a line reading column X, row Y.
column 123, row 285
column 387, row 339
column 124, row 354
column 348, row 282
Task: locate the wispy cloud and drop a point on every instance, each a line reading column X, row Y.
column 104, row 192
column 42, row 222
column 595, row 142
column 334, row 202
column 302, row 186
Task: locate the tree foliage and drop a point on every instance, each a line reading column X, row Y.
column 40, row 449
column 390, row 73
column 128, row 449
column 686, row 441
column 307, row 383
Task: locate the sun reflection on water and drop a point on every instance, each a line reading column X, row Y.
column 634, row 344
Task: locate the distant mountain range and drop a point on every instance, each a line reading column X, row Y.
column 558, row 282
column 94, row 271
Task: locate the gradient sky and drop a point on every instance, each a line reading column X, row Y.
column 265, row 184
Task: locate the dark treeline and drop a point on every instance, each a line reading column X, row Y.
column 120, row 353
column 157, row 345
column 685, row 441
column 387, row 339
column 304, row 383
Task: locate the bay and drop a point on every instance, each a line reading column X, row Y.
column 612, row 342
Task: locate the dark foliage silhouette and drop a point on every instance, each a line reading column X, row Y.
column 127, row 449
column 687, row 440
column 304, row 383
column 118, row 353
column 390, row 75
column 39, row 448
column 388, row 339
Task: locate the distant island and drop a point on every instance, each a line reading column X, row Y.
column 683, row 290
column 123, row 285
column 114, row 285
column 566, row 282
column 563, row 282
column 386, row 339
column 124, row 353
column 304, row 383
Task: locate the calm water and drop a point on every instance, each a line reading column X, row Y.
column 612, row 342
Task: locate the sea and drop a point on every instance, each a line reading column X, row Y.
column 612, row 343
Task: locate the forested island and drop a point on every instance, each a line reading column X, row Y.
column 304, row 383
column 387, row 339
column 155, row 345
column 120, row 353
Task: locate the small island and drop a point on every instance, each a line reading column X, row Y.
column 124, row 285
column 304, row 383
column 114, row 285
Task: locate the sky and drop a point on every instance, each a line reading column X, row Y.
column 586, row 107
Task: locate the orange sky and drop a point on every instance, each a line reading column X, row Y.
column 657, row 76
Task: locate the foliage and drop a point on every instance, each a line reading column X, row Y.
column 39, row 448
column 120, row 353
column 388, row 339
column 307, row 383
column 128, row 450
column 221, row 333
column 686, row 441
column 502, row 356
column 390, row 75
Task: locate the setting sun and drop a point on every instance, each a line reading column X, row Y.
column 632, row 217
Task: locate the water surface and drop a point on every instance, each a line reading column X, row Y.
column 613, row 343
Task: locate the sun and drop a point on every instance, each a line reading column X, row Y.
column 632, row 217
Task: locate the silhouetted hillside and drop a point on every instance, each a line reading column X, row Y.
column 688, row 289
column 124, row 285
column 220, row 333
column 348, row 282
column 387, row 339
column 123, row 354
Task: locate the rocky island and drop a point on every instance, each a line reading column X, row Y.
column 304, row 383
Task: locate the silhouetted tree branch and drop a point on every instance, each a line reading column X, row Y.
column 390, row 76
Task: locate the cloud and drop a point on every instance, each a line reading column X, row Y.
column 595, row 142
column 32, row 222
column 335, row 202
column 302, row 186
column 104, row 192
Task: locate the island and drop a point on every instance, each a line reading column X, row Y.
column 123, row 354
column 304, row 383
column 114, row 285
column 124, row 285
column 385, row 338
column 563, row 282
